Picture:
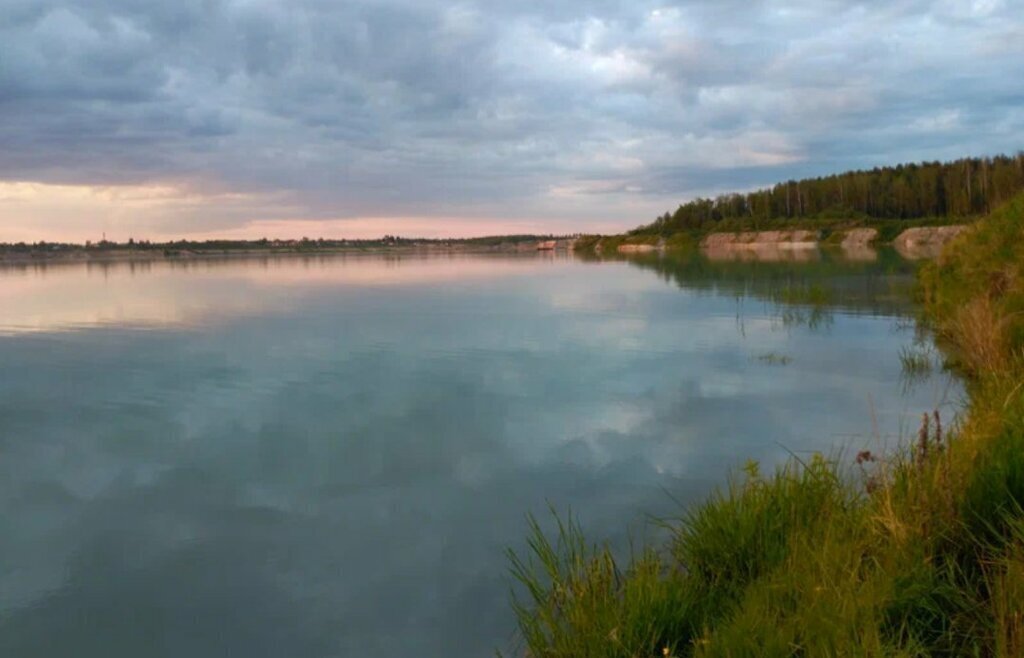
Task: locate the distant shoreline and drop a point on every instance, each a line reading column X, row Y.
column 120, row 255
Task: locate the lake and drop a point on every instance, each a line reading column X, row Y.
column 328, row 456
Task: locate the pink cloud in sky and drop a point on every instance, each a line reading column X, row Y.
column 31, row 212
column 374, row 227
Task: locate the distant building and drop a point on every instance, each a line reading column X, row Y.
column 547, row 245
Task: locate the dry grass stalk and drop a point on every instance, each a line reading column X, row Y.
column 979, row 333
column 922, row 441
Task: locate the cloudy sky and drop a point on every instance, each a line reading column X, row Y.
column 356, row 118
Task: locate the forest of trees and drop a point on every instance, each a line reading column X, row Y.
column 963, row 188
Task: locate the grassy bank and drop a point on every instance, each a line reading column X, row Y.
column 918, row 553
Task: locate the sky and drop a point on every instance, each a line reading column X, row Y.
column 335, row 118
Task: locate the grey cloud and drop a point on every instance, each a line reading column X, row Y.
column 483, row 109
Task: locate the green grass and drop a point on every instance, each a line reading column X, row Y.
column 917, row 553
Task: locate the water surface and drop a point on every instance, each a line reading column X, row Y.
column 328, row 456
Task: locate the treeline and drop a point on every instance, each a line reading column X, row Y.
column 962, row 188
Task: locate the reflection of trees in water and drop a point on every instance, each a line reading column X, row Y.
column 814, row 318
column 799, row 293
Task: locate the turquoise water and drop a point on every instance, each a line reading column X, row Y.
column 328, row 456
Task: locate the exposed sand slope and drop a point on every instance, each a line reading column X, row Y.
column 859, row 237
column 925, row 241
column 760, row 239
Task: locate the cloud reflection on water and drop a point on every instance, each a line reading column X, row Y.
column 315, row 460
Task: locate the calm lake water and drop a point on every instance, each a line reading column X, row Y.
column 329, row 456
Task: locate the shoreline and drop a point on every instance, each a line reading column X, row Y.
column 913, row 243
column 915, row 551
column 87, row 255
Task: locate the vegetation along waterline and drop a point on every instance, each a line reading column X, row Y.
column 916, row 553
